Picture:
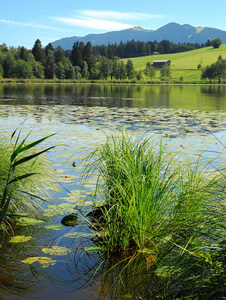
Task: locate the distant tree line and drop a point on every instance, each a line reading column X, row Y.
column 138, row 48
column 83, row 61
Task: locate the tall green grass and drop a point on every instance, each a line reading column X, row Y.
column 164, row 207
column 22, row 177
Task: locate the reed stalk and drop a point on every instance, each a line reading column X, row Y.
column 17, row 170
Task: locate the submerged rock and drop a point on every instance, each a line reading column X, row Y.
column 97, row 214
column 70, row 220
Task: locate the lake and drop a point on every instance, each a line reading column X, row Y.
column 205, row 97
column 190, row 118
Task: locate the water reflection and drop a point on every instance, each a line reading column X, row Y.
column 118, row 278
column 17, row 278
column 208, row 97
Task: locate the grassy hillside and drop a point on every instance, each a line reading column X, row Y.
column 184, row 64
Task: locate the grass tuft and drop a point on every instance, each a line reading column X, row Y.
column 163, row 207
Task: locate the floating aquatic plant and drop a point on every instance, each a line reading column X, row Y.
column 43, row 260
column 56, row 250
column 20, row 239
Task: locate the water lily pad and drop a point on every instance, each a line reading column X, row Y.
column 20, row 239
column 77, row 235
column 43, row 260
column 56, row 250
column 28, row 221
column 54, row 227
column 93, row 249
column 76, row 193
column 57, row 210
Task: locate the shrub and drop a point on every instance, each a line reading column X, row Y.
column 216, row 43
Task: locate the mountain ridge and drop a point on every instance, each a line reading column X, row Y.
column 172, row 32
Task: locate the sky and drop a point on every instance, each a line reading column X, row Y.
column 22, row 22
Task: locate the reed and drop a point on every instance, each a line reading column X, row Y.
column 22, row 187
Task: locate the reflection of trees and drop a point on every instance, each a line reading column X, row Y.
column 158, row 96
column 140, row 96
column 216, row 94
column 213, row 90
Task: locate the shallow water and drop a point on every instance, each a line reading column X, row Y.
column 190, row 118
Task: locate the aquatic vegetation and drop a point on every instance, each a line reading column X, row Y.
column 43, row 260
column 22, row 181
column 56, row 250
column 160, row 205
column 20, row 239
column 149, row 192
column 25, row 221
column 54, row 226
column 58, row 210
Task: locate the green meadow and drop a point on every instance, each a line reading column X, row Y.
column 183, row 64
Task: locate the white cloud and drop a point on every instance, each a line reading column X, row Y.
column 28, row 24
column 116, row 15
column 105, row 20
column 94, row 23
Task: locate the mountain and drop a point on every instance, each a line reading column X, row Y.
column 172, row 32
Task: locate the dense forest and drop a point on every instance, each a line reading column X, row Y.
column 83, row 61
column 138, row 49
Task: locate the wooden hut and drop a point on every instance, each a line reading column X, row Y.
column 161, row 63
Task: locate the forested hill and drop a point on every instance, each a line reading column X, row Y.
column 172, row 32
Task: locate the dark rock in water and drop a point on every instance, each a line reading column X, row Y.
column 97, row 214
column 70, row 220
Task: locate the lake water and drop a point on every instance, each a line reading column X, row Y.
column 191, row 118
column 205, row 97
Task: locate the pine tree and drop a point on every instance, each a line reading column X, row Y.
column 59, row 54
column 76, row 56
column 38, row 52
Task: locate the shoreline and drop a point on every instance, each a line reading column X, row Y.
column 27, row 81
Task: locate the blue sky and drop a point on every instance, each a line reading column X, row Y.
column 22, row 22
